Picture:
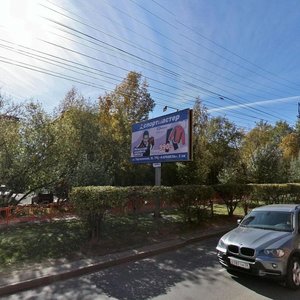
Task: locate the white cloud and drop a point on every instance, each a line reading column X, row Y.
column 253, row 104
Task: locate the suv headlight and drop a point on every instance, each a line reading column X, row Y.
column 274, row 252
column 221, row 245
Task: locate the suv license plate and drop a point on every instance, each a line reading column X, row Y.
column 239, row 263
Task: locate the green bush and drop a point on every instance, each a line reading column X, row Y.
column 232, row 194
column 92, row 202
column 294, row 192
column 271, row 193
column 192, row 199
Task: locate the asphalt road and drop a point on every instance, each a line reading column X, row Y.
column 189, row 273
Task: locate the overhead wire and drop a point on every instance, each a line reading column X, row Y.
column 217, row 44
column 146, row 50
column 202, row 81
column 216, row 94
column 192, row 85
column 222, row 47
column 59, row 75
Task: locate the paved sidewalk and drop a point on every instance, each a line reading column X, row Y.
column 27, row 279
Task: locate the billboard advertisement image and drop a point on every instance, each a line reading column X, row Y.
column 163, row 139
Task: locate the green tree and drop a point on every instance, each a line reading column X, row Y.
column 25, row 155
column 78, row 142
column 257, row 138
column 196, row 171
column 280, row 131
column 224, row 139
column 267, row 166
column 266, row 152
column 128, row 103
column 290, row 145
column 294, row 172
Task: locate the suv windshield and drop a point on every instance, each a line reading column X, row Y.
column 272, row 220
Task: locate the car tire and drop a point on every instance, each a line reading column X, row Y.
column 293, row 273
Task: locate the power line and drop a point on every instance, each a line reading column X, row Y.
column 221, row 46
column 152, row 53
column 256, row 82
column 192, row 85
column 126, row 51
column 192, row 40
column 176, row 74
column 229, row 98
column 56, row 74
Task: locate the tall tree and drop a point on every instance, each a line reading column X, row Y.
column 128, row 103
column 294, row 172
column 258, row 137
column 224, row 139
column 77, row 144
column 25, row 167
column 267, row 166
column 290, row 145
column 196, row 171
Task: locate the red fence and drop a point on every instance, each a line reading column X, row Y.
column 30, row 213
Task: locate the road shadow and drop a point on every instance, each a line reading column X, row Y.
column 155, row 276
column 267, row 288
column 145, row 279
column 141, row 280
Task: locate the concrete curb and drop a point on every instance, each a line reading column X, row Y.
column 87, row 266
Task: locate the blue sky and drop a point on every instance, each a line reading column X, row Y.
column 240, row 57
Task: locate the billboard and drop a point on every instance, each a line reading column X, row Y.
column 163, row 139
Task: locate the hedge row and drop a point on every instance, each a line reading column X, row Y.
column 91, row 203
column 251, row 195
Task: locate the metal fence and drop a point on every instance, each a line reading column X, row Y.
column 31, row 213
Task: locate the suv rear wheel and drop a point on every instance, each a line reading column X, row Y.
column 293, row 273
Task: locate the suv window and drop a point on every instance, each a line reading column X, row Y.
column 273, row 220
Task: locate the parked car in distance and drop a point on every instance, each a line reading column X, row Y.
column 42, row 198
column 266, row 243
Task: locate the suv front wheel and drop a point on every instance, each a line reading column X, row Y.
column 293, row 273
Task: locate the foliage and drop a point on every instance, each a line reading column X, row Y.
column 294, row 172
column 88, row 144
column 92, row 203
column 267, row 166
column 232, row 194
column 192, row 198
column 224, row 139
column 78, row 141
column 290, row 145
column 236, row 173
column 26, row 155
column 276, row 193
column 130, row 102
column 197, row 171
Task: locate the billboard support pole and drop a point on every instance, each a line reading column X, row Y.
column 157, row 168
